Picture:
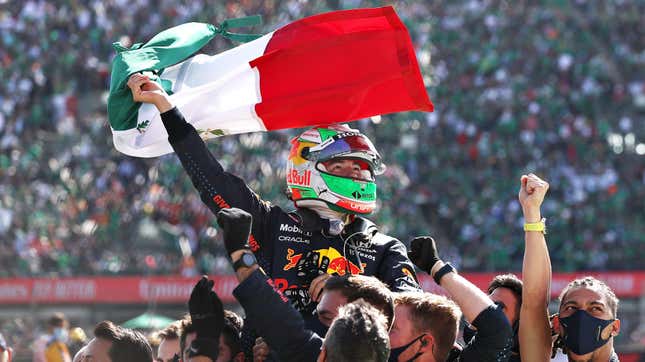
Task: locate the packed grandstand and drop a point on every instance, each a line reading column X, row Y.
column 552, row 86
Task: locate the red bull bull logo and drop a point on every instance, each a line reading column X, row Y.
column 337, row 263
column 293, row 259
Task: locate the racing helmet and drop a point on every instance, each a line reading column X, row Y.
column 309, row 182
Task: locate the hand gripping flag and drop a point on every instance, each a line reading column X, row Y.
column 329, row 68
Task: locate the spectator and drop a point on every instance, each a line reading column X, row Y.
column 77, row 339
column 5, row 350
column 115, row 343
column 52, row 346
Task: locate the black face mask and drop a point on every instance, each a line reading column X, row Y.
column 396, row 352
column 582, row 332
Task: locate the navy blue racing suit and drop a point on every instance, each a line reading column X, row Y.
column 283, row 244
column 278, row 323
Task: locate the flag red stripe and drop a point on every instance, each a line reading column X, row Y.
column 337, row 67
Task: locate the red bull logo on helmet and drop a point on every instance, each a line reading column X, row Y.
column 296, row 178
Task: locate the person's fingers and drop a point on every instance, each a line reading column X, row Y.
column 417, row 245
column 324, row 265
column 136, row 80
column 535, row 184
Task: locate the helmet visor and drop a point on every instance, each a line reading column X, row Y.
column 356, row 168
column 353, row 146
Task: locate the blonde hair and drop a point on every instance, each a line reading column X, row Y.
column 434, row 314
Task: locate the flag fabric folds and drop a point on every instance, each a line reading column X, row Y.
column 329, row 68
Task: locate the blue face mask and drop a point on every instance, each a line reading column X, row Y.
column 582, row 332
column 396, row 352
column 60, row 335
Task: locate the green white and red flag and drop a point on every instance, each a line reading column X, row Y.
column 329, row 68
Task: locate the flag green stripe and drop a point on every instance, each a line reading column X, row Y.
column 165, row 49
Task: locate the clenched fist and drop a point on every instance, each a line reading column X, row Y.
column 532, row 192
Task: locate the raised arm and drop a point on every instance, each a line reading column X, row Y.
column 494, row 333
column 217, row 188
column 471, row 300
column 267, row 310
column 145, row 90
column 534, row 331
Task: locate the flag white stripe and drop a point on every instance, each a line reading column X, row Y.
column 213, row 92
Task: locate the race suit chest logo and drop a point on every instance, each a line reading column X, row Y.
column 286, row 228
column 337, row 263
column 296, row 178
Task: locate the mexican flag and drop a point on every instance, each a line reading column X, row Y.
column 329, row 68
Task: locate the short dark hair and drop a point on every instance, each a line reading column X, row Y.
column 434, row 314
column 57, row 320
column 232, row 332
column 366, row 328
column 508, row 281
column 368, row 288
column 591, row 282
column 127, row 345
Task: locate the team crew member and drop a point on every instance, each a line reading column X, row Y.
column 330, row 176
column 279, row 323
column 505, row 290
column 494, row 337
column 587, row 321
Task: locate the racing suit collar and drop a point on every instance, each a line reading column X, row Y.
column 310, row 221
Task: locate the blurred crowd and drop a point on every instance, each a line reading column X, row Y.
column 552, row 86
